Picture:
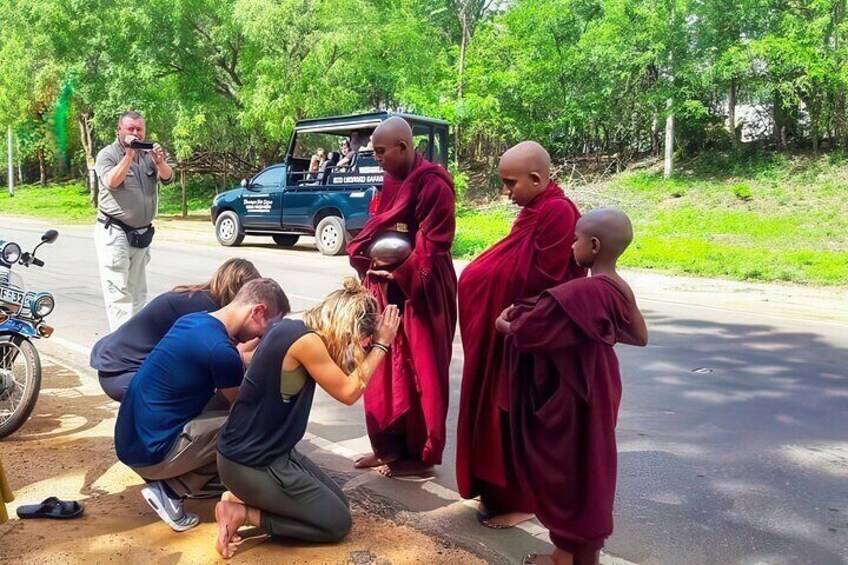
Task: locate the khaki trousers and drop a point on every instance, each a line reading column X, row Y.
column 122, row 273
column 191, row 463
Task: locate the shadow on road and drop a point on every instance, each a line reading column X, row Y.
column 733, row 446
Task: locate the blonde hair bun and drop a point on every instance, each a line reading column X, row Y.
column 352, row 285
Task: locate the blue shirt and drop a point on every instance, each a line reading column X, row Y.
column 172, row 387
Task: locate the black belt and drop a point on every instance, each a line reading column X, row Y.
column 109, row 220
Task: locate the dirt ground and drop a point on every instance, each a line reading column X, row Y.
column 66, row 450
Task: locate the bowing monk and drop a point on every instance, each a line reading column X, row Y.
column 535, row 256
column 565, row 388
column 406, row 403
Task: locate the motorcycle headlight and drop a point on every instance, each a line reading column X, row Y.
column 10, row 252
column 43, row 305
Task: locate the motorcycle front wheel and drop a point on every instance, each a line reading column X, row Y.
column 20, row 381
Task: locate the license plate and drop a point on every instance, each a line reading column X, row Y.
column 11, row 296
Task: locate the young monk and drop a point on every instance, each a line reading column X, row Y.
column 407, row 402
column 537, row 256
column 565, row 389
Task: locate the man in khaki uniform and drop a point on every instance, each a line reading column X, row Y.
column 128, row 201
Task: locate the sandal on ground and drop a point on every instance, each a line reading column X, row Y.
column 52, row 508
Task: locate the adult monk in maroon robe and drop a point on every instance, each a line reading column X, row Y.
column 535, row 256
column 406, row 402
column 565, row 389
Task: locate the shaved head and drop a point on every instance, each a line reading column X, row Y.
column 530, row 157
column 392, row 142
column 525, row 172
column 394, row 130
column 611, row 227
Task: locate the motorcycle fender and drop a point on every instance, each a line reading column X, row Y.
column 14, row 327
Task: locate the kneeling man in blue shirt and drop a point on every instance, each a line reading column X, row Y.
column 168, row 424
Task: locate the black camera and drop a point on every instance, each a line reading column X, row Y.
column 138, row 144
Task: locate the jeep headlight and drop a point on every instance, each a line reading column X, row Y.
column 10, row 252
column 43, row 304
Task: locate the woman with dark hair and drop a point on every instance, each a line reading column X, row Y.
column 117, row 356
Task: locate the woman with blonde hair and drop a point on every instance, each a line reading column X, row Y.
column 271, row 485
column 117, row 356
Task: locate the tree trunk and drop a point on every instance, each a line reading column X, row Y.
column 731, row 113
column 655, row 135
column 9, row 162
column 668, row 168
column 778, row 120
column 183, row 193
column 463, row 19
column 86, row 136
column 42, row 170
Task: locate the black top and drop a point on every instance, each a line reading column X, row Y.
column 125, row 349
column 268, row 417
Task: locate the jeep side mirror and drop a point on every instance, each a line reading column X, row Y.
column 49, row 236
column 244, row 183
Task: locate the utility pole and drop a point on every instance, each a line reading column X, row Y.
column 11, row 165
column 668, row 168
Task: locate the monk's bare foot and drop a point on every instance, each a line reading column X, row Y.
column 542, row 559
column 558, row 557
column 405, row 468
column 368, row 462
column 230, row 517
column 508, row 520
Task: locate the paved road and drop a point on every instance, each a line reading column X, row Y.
column 733, row 434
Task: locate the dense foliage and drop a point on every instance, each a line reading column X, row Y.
column 581, row 76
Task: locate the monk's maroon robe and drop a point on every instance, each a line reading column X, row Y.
column 535, row 256
column 564, row 393
column 406, row 401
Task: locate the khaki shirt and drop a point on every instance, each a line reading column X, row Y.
column 135, row 201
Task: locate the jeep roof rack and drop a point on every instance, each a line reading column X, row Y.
column 358, row 121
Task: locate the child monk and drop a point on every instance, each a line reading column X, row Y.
column 537, row 256
column 565, row 388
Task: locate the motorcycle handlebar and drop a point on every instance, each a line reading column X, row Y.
column 37, row 262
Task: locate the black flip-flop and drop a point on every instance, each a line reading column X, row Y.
column 52, row 508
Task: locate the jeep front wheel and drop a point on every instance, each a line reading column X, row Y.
column 330, row 236
column 228, row 229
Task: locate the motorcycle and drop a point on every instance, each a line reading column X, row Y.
column 22, row 316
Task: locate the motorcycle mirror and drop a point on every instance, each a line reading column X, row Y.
column 49, row 236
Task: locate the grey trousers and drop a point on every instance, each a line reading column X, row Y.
column 296, row 498
column 191, row 462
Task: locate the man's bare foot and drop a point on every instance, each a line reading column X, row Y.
column 508, row 520
column 230, row 497
column 230, row 517
column 368, row 462
column 405, row 468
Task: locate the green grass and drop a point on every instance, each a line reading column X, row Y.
column 68, row 202
column 477, row 230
